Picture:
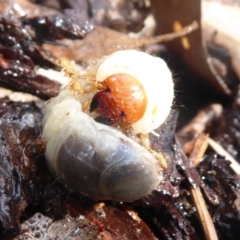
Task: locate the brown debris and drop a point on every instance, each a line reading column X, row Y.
column 221, row 151
column 200, row 122
column 229, row 124
column 221, row 190
column 18, row 57
column 22, row 8
column 71, row 24
column 116, row 228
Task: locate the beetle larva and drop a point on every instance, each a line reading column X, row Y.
column 93, row 158
column 97, row 159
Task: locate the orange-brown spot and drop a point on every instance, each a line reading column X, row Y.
column 128, row 95
column 177, row 26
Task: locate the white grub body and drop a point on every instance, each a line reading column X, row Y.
column 99, row 160
column 155, row 77
column 93, row 158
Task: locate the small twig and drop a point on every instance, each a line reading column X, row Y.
column 167, row 37
column 208, row 227
column 206, row 221
column 221, row 151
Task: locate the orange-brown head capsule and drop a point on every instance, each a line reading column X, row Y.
column 121, row 98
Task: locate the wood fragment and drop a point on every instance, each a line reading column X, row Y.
column 221, row 151
column 188, row 146
column 199, row 123
column 131, row 212
column 199, row 148
column 206, row 220
column 98, row 206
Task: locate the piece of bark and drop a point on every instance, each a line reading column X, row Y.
column 20, row 128
column 44, row 228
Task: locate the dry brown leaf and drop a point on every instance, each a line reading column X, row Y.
column 172, row 15
column 103, row 41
